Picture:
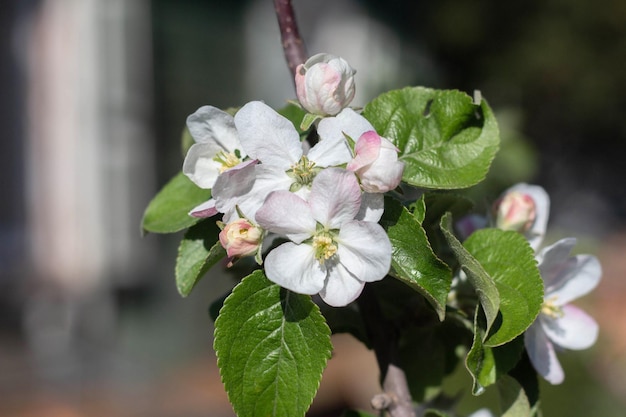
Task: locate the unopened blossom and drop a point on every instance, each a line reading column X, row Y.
column 516, row 211
column 376, row 163
column 216, row 148
column 561, row 325
column 375, row 158
column 524, row 208
column 240, row 238
column 325, row 84
column 330, row 252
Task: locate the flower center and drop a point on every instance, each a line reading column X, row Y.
column 550, row 309
column 227, row 160
column 324, row 247
column 302, row 173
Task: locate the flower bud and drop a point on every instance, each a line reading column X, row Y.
column 240, row 238
column 325, row 84
column 515, row 211
column 376, row 163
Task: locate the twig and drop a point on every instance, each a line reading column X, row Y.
column 384, row 341
column 293, row 46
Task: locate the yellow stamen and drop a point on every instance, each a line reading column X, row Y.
column 227, row 160
column 550, row 309
column 324, row 247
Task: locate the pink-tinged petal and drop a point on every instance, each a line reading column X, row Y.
column 383, row 175
column 372, row 207
column 537, row 231
column 200, row 166
column 212, row 125
column 367, row 149
column 206, row 209
column 347, row 122
column 574, row 330
column 364, row 249
column 267, row 136
column 286, row 214
column 542, row 354
column 330, row 152
column 335, row 197
column 294, row 267
column 341, row 288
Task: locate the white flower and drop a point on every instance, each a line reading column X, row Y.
column 325, row 84
column 561, row 325
column 376, row 158
column 330, row 252
column 526, row 207
column 273, row 140
column 217, row 146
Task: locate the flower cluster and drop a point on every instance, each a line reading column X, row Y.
column 326, row 200
column 560, row 325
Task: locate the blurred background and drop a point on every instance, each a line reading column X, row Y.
column 94, row 95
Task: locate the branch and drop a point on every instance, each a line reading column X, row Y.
column 293, row 46
column 397, row 398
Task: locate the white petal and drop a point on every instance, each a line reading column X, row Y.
column 335, row 197
column 341, row 287
column 542, row 210
column 372, row 207
column 199, row 165
column 330, row 152
column 206, row 209
column 267, row 136
column 364, row 249
column 574, row 330
column 294, row 267
column 542, row 355
column 212, row 125
column 348, row 121
column 286, row 214
column 567, row 277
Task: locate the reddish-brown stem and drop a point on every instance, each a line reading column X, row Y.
column 293, row 46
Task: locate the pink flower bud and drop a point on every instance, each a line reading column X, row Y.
column 240, row 238
column 515, row 211
column 325, row 84
column 376, row 163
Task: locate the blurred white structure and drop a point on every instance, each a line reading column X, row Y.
column 89, row 165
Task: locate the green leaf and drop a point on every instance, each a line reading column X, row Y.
column 479, row 279
column 510, row 262
column 199, row 250
column 412, row 257
column 168, row 210
column 272, row 346
column 445, row 140
column 513, row 400
column 296, row 115
column 487, row 364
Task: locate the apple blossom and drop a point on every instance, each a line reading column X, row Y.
column 561, row 325
column 273, row 140
column 325, row 84
column 330, row 252
column 216, row 148
column 376, row 158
